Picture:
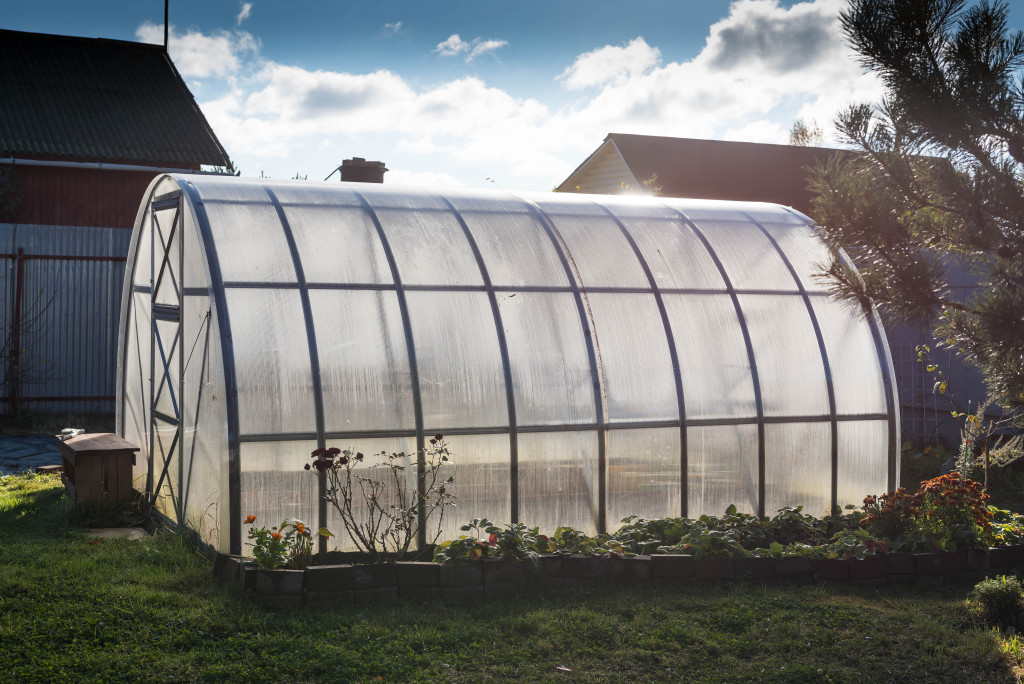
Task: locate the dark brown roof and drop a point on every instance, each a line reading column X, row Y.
column 720, row 169
column 88, row 99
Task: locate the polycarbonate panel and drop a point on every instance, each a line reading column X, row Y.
column 318, row 193
column 726, row 210
column 167, row 234
column 227, row 189
column 144, row 254
column 371, row 466
column 462, row 382
column 798, row 467
column 597, row 249
column 863, row 460
column 338, row 245
column 558, row 480
column 205, row 419
column 808, row 255
column 364, row 361
column 251, row 245
column 430, row 247
column 775, row 213
column 194, row 273
column 749, row 258
column 275, row 488
column 633, row 351
column 516, row 249
column 713, row 359
column 789, row 364
column 275, row 386
column 203, row 409
column 482, row 487
column 135, row 383
column 166, row 347
column 547, row 351
column 676, row 257
column 856, row 373
column 643, row 474
column 722, row 469
column 165, row 470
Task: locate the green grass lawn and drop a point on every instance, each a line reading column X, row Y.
column 75, row 610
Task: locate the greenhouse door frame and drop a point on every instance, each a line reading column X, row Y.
column 166, row 344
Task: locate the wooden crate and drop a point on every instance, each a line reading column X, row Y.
column 97, row 467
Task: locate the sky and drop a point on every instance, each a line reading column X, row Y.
column 481, row 93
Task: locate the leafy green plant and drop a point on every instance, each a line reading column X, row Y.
column 704, row 542
column 997, row 601
column 287, row 545
column 790, row 524
column 514, row 541
column 1005, row 527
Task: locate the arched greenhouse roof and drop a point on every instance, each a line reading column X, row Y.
column 588, row 357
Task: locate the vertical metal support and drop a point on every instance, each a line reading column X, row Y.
column 14, row 368
column 595, row 371
column 684, row 485
column 414, row 373
column 179, row 230
column 227, row 351
column 506, row 365
column 150, row 494
column 314, row 359
column 755, row 378
column 829, row 385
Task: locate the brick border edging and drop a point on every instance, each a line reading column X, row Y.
column 325, row 586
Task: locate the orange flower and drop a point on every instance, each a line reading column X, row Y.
column 275, row 535
column 249, row 520
column 300, row 528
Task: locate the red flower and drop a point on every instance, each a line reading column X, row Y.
column 334, row 451
column 359, row 456
column 306, row 467
column 438, row 436
column 492, row 540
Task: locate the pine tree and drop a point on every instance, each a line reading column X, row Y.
column 936, row 196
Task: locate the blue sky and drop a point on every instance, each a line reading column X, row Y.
column 477, row 92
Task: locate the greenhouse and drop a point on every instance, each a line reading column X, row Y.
column 587, row 358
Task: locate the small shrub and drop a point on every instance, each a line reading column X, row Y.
column 954, row 510
column 997, row 601
column 890, row 516
column 382, row 506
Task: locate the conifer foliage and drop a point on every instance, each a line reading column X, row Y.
column 936, row 196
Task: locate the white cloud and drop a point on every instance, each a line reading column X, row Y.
column 468, row 130
column 454, row 45
column 393, row 28
column 611, row 64
column 244, row 13
column 199, row 55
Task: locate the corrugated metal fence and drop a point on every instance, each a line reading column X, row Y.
column 60, row 293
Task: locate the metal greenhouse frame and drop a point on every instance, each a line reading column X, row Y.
column 591, row 357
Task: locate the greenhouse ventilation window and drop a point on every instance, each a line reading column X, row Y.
column 587, row 357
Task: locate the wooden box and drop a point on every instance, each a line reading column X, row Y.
column 97, row 467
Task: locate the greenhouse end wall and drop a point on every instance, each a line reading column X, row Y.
column 586, row 358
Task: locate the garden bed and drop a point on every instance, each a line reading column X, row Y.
column 327, row 586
